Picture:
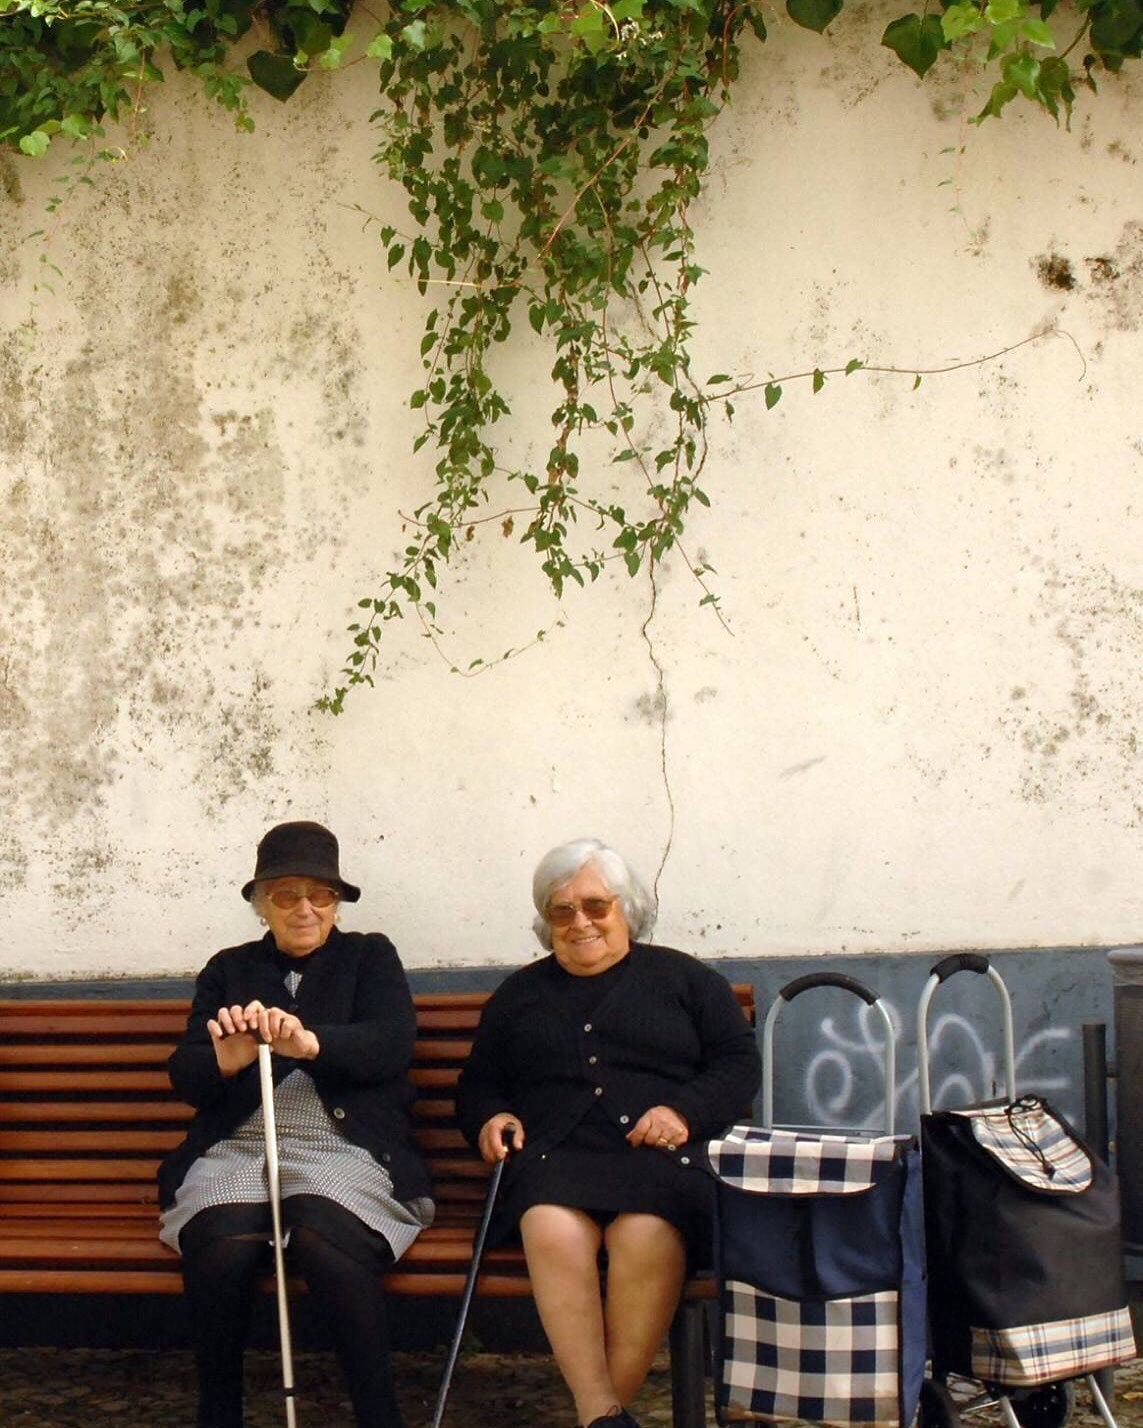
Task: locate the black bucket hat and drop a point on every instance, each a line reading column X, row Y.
column 300, row 850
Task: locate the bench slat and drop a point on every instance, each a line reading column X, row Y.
column 91, row 1112
column 73, row 1082
column 103, row 1193
column 57, row 1140
column 88, row 1169
column 102, row 1053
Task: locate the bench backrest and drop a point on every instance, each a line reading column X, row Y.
column 87, row 1110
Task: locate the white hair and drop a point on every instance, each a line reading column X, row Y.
column 557, row 868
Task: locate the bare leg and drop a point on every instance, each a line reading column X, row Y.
column 646, row 1266
column 562, row 1246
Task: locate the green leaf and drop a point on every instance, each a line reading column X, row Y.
column 589, row 21
column 1000, row 12
column 335, row 51
column 773, row 395
column 1056, row 85
column 960, row 20
column 916, row 40
column 813, row 14
column 276, row 74
column 819, row 380
column 1037, row 33
column 311, row 36
column 380, row 47
column 35, row 143
column 1003, row 36
column 855, row 364
column 1116, row 30
column 1023, row 71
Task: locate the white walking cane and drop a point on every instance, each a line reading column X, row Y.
column 271, row 1129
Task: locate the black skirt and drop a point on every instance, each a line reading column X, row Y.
column 595, row 1170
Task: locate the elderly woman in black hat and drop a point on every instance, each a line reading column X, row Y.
column 335, row 1009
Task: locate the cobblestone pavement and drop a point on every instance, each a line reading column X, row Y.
column 67, row 1388
column 79, row 1388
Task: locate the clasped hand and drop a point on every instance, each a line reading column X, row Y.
column 661, row 1127
column 237, row 1032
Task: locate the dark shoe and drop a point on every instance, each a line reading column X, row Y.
column 620, row 1419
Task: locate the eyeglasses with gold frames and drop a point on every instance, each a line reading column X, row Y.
column 286, row 899
column 563, row 914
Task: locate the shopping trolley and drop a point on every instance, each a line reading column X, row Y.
column 1025, row 1261
column 819, row 1259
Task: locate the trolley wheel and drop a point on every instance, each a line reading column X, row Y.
column 937, row 1406
column 1047, row 1407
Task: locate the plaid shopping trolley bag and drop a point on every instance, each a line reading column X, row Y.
column 1025, row 1259
column 821, row 1311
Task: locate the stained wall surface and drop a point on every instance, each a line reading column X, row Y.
column 921, row 730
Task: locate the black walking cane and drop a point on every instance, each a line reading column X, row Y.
column 473, row 1270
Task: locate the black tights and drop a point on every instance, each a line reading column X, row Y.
column 219, row 1274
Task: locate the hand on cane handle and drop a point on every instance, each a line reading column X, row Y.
column 238, row 1031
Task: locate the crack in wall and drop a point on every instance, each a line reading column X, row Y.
column 659, row 707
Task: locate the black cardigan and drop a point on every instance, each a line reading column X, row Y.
column 353, row 995
column 670, row 1033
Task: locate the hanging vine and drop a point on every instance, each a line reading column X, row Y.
column 549, row 155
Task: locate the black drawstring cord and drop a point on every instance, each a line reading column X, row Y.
column 1025, row 1105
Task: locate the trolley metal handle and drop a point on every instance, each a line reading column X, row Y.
column 944, row 969
column 847, row 984
column 960, row 962
column 827, row 979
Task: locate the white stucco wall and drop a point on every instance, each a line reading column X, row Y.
column 923, row 730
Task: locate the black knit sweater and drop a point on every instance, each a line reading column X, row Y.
column 670, row 1032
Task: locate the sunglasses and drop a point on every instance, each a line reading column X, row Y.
column 563, row 914
column 286, row 899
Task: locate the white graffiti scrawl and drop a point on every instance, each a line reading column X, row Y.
column 840, row 1075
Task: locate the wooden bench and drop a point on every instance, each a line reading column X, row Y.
column 87, row 1112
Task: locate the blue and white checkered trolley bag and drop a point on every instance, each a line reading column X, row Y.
column 820, row 1262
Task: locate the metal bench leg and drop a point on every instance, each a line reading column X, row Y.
column 688, row 1368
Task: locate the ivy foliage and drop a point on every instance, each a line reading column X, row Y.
column 1015, row 39
column 549, row 154
column 65, row 65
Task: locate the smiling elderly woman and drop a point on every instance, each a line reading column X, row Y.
column 609, row 1058
column 336, row 1011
